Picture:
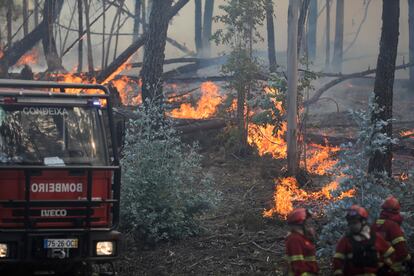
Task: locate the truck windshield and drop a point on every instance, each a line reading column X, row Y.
column 51, row 136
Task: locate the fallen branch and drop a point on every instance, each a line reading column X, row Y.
column 168, row 61
column 262, row 248
column 202, row 125
column 344, row 77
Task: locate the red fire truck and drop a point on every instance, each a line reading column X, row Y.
column 59, row 179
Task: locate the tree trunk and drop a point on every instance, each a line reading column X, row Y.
column 9, row 22
column 302, row 20
column 36, row 12
column 54, row 63
column 88, row 37
column 152, row 69
column 328, row 35
column 198, row 28
column 103, row 34
column 137, row 18
column 25, row 17
column 292, row 116
column 104, row 75
column 339, row 37
column 312, row 29
column 384, row 82
column 122, row 2
column 411, row 38
column 144, row 16
column 207, row 27
column 80, row 34
column 271, row 45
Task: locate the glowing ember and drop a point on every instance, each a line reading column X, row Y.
column 29, row 58
column 288, row 191
column 206, row 106
column 407, row 133
column 403, row 176
column 319, row 159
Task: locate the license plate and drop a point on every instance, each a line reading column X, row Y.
column 60, row 243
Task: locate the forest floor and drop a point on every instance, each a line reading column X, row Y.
column 236, row 239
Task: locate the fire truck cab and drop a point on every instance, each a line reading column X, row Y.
column 59, row 179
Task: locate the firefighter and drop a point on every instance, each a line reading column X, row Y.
column 360, row 251
column 389, row 227
column 300, row 249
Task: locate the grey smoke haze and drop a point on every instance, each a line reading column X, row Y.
column 182, row 29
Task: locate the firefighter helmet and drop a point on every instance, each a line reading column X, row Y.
column 391, row 203
column 298, row 216
column 356, row 211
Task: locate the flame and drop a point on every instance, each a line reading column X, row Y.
column 29, row 58
column 125, row 66
column 319, row 159
column 125, row 87
column 206, row 106
column 266, row 142
column 287, row 192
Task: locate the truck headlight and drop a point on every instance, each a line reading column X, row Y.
column 4, row 250
column 104, row 248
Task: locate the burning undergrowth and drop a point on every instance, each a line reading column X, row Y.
column 271, row 140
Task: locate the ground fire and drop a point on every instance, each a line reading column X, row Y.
column 179, row 137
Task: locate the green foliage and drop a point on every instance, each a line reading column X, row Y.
column 241, row 18
column 267, row 112
column 352, row 171
column 163, row 185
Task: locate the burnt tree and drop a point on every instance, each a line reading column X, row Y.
column 54, row 62
column 9, row 15
column 339, row 37
column 137, row 15
column 25, row 7
column 88, row 36
column 154, row 56
column 271, row 45
column 198, row 28
column 36, row 12
column 207, row 27
column 303, row 14
column 80, row 34
column 384, row 81
column 312, row 29
column 328, row 34
column 411, row 38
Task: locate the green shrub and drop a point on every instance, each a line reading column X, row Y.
column 163, row 185
column 352, row 169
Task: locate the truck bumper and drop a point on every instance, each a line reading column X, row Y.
column 29, row 248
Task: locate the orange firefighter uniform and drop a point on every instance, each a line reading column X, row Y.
column 389, row 227
column 300, row 249
column 363, row 253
